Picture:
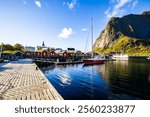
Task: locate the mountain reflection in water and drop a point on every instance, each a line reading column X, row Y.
column 113, row 80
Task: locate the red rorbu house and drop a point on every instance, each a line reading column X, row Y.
column 41, row 53
column 52, row 53
column 71, row 52
column 63, row 53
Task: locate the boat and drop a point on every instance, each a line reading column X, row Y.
column 120, row 56
column 68, row 63
column 1, row 60
column 93, row 60
column 148, row 58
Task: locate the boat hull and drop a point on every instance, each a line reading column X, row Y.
column 1, row 60
column 93, row 62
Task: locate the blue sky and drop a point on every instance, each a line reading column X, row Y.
column 60, row 23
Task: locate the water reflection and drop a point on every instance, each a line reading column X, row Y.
column 113, row 80
column 127, row 79
column 64, row 78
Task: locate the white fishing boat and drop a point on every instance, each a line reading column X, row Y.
column 148, row 58
column 120, row 57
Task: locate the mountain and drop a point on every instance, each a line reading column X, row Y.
column 129, row 34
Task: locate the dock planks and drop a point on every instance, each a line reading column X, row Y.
column 19, row 80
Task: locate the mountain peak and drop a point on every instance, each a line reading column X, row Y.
column 132, row 26
column 146, row 13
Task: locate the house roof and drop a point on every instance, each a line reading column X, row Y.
column 18, row 52
column 63, row 51
column 79, row 52
column 71, row 52
column 58, row 51
column 8, row 52
column 29, row 51
column 70, row 49
column 51, row 51
column 40, row 50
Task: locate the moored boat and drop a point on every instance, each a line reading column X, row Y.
column 1, row 60
column 120, row 57
column 93, row 60
column 148, row 58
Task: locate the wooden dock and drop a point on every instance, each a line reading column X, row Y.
column 46, row 63
column 68, row 63
column 20, row 80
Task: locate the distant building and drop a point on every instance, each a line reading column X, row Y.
column 58, row 50
column 71, row 51
column 41, row 53
column 52, row 53
column 29, row 54
column 79, row 53
column 63, row 53
column 9, row 55
column 19, row 54
column 29, row 48
column 43, row 47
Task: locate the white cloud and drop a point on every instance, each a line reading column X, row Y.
column 24, row 2
column 134, row 4
column 64, row 3
column 66, row 33
column 71, row 5
column 121, row 3
column 83, row 29
column 119, row 7
column 38, row 4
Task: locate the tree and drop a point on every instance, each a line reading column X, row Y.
column 19, row 47
column 49, row 49
column 7, row 47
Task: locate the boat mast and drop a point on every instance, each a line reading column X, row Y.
column 92, row 37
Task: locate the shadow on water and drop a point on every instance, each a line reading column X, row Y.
column 113, row 80
column 128, row 79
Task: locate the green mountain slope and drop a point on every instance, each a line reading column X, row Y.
column 129, row 34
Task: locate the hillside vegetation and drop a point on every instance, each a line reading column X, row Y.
column 130, row 46
column 129, row 34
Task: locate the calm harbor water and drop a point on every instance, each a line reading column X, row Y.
column 112, row 80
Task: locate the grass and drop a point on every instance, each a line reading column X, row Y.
column 130, row 46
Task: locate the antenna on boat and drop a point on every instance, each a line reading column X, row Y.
column 90, row 32
column 87, row 41
column 92, row 37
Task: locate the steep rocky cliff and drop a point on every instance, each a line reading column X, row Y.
column 130, row 26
